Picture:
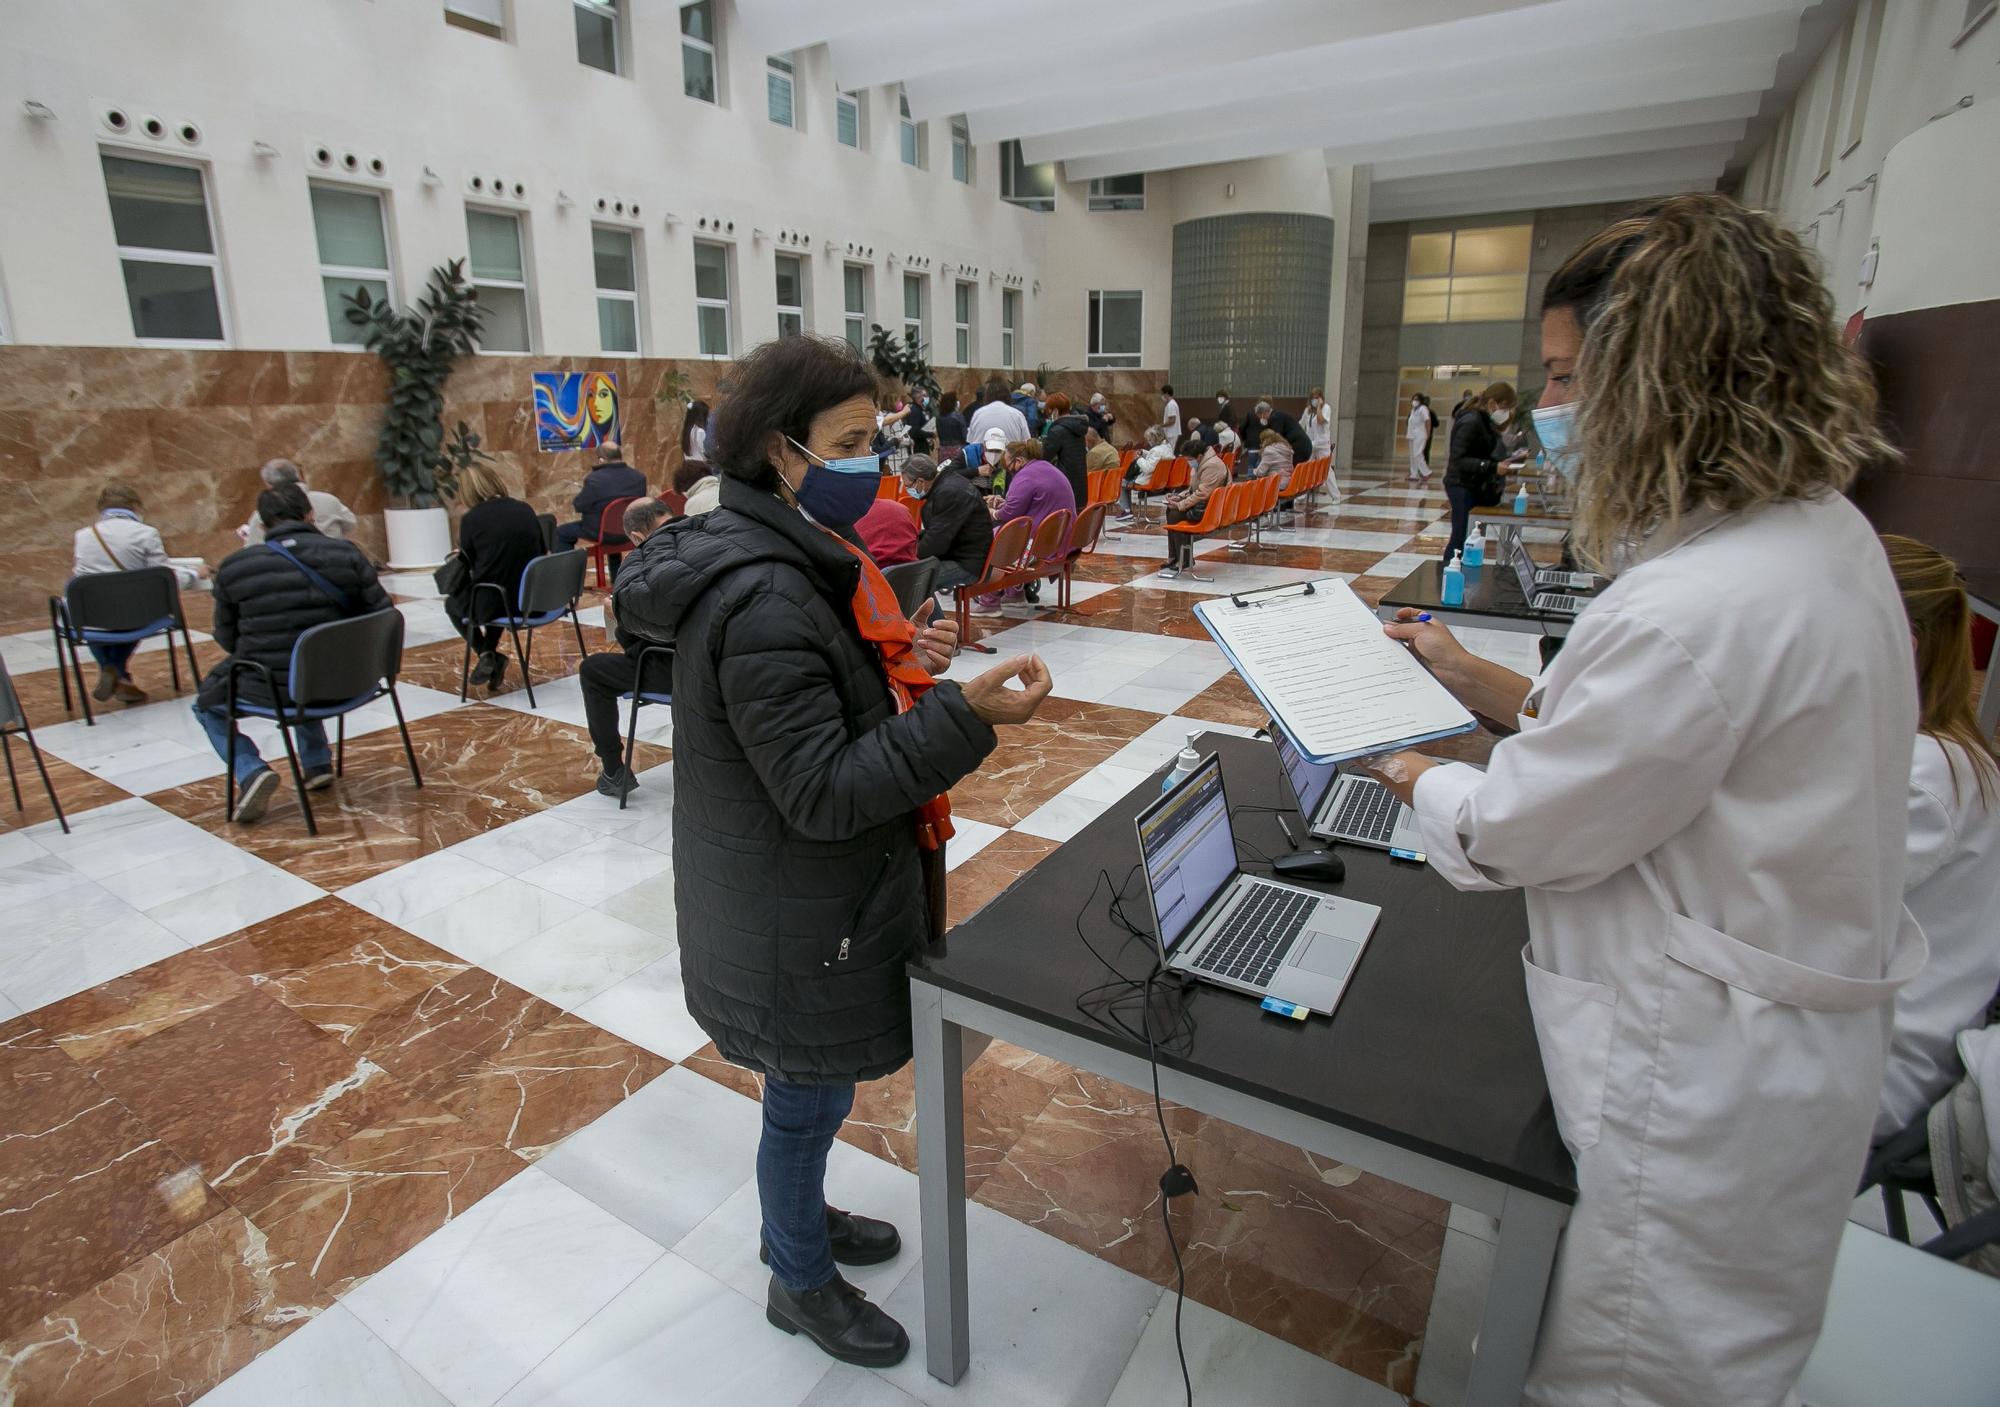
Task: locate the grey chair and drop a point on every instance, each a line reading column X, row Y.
column 13, row 720
column 653, row 660
column 550, row 586
column 118, row 608
column 913, row 582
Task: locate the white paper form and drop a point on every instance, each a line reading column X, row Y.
column 1323, row 668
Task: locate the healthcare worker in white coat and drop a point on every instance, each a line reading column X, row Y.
column 1705, row 808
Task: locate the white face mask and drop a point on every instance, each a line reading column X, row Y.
column 1503, row 415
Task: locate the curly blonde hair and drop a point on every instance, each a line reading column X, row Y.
column 1712, row 373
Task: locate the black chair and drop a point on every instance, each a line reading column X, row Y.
column 117, row 608
column 641, row 696
column 550, row 585
column 14, row 719
column 547, row 523
column 913, row 582
column 335, row 669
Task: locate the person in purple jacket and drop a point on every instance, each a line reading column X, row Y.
column 1035, row 489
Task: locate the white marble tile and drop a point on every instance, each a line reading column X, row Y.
column 16, row 846
column 421, row 887
column 521, row 845
column 848, row 1386
column 1160, row 743
column 595, row 872
column 1381, row 510
column 576, row 959
column 262, row 893
column 675, row 1337
column 649, row 1009
column 1050, row 1323
column 37, row 879
column 648, row 904
column 503, row 914
column 1347, row 539
column 1236, row 574
column 417, row 584
column 335, row 1361
column 1229, row 1361
column 1458, row 1300
column 969, row 837
column 8, row 1011
column 1398, row 565
column 186, row 864
column 84, row 937
column 592, row 615
column 1081, row 802
column 425, row 623
column 28, row 652
column 1473, row 1223
column 665, row 1158
column 481, row 1300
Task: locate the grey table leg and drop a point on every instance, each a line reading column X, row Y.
column 940, row 1074
column 1522, row 1260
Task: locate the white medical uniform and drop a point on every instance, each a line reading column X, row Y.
column 1706, row 808
column 1416, row 429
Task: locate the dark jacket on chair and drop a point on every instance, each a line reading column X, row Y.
column 498, row 538
column 603, row 486
column 797, row 882
column 957, row 525
column 263, row 604
column 1062, row 446
column 1475, row 453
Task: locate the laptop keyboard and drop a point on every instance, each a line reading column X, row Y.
column 1558, row 601
column 1258, row 935
column 1368, row 811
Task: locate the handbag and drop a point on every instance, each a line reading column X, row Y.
column 450, row 577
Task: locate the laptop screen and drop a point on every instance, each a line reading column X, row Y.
column 1189, row 849
column 1310, row 780
column 1524, row 567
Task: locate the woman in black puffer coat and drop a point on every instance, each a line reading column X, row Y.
column 798, row 875
column 1063, row 446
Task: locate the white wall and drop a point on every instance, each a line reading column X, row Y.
column 390, row 78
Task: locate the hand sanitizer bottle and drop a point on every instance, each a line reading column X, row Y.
column 1521, row 500
column 1454, row 582
column 1184, row 764
column 1475, row 546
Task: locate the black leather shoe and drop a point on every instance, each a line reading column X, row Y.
column 857, row 1240
column 841, row 1320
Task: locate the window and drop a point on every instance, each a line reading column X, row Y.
column 847, row 119
column 854, row 280
column 1871, row 40
column 1781, row 160
column 500, row 273
column 961, row 151
column 353, row 253
column 1977, row 12
column 711, row 299
column 597, row 34
column 913, row 308
column 963, row 298
column 698, row 50
column 778, row 90
column 1010, row 324
column 616, row 257
column 1831, row 136
column 791, row 295
column 1115, row 319
column 1118, row 193
column 166, row 246
column 912, row 133
column 487, row 17
column 1030, row 186
column 1475, row 275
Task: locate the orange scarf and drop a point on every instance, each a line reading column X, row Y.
column 880, row 619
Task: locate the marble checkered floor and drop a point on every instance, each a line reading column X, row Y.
column 413, row 1112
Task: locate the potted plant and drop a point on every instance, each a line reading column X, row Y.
column 902, row 360
column 420, row 346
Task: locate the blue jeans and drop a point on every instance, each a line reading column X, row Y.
column 313, row 751
column 114, row 657
column 800, row 1122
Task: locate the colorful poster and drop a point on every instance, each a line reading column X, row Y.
column 575, row 409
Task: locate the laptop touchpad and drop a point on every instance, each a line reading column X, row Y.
column 1330, row 956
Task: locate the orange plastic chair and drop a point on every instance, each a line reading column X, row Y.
column 1215, row 515
column 1003, row 559
column 1048, row 545
column 1089, row 528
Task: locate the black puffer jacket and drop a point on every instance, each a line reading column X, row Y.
column 1063, row 446
column 1475, row 457
column 263, row 603
column 796, row 873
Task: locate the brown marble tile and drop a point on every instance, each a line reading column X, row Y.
column 1038, row 759
column 1227, row 700
column 980, row 880
column 529, row 1095
column 346, row 1212
column 105, row 444
column 1146, row 611
column 20, row 454
column 1117, row 567
column 42, row 692
column 434, row 1035
column 1320, row 559
column 204, row 439
column 94, row 1025
column 1372, row 589
column 334, row 378
column 313, row 435
column 42, row 378
column 168, row 1327
column 76, row 789
column 248, row 1090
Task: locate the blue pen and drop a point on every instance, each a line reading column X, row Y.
column 1423, row 617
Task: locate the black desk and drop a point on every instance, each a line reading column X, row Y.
column 1428, row 1073
column 1984, row 590
column 1493, row 600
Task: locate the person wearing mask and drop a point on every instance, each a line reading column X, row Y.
column 1265, row 417
column 1100, row 416
column 1035, row 489
column 1319, row 426
column 1476, row 472
column 887, row 530
column 956, row 527
column 606, row 675
column 1170, row 417
column 1274, row 454
column 1062, row 441
column 1951, row 882
column 603, row 486
column 333, row 518
column 950, row 426
column 1221, row 415
column 1417, row 431
column 694, row 433
column 1100, row 454
column 1210, row 475
column 266, row 597
column 1143, row 471
column 996, row 414
column 813, row 753
column 1028, row 400
column 920, row 422
column 498, row 536
column 1716, row 911
column 122, row 541
column 1201, row 437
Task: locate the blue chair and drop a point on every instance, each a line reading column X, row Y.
column 118, row 608
column 335, row 669
column 13, row 720
column 550, row 586
column 641, row 696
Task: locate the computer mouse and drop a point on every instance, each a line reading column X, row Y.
column 1322, row 865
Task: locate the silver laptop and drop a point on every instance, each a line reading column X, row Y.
column 1541, row 598
column 1237, row 930
column 1341, row 805
column 1553, row 576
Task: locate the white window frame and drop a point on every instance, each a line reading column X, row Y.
column 789, row 73
column 1094, row 357
column 463, row 15
column 910, row 135
column 961, row 151
column 386, row 275
column 961, row 329
column 141, row 255
column 1010, row 327
column 724, row 302
column 1871, row 41
column 920, row 324
column 1101, row 202
column 844, row 99
column 1033, row 202
column 712, row 47
column 854, row 321
column 526, row 284
column 622, row 295
column 607, row 9
column 794, row 310
column 1977, row 12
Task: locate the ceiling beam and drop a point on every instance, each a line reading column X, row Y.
column 1527, row 200
column 1681, row 144
column 1494, row 137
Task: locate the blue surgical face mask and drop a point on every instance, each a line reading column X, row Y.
column 836, row 492
column 913, row 490
column 1553, row 425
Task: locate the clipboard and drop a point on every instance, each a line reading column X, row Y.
column 1315, row 657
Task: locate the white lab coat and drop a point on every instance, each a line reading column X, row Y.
column 1416, row 430
column 1705, row 807
column 1952, row 886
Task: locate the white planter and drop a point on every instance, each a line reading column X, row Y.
column 419, row 538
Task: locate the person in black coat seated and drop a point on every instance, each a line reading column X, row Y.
column 266, row 597
column 1063, row 446
column 1475, row 471
column 956, row 527
column 812, row 752
column 498, row 537
column 1264, row 417
column 603, row 486
column 606, row 675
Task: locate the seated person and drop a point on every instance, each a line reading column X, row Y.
column 1186, row 507
column 1275, row 454
column 957, row 527
column 332, row 517
column 498, row 536
column 1143, row 472
column 1100, row 415
column 698, row 487
column 606, row 675
column 122, row 541
column 1035, row 489
column 1099, row 454
column 980, row 460
column 610, row 481
column 887, row 530
column 265, row 598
